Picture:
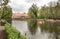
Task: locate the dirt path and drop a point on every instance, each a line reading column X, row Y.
column 3, row 33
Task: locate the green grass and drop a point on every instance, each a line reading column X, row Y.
column 13, row 33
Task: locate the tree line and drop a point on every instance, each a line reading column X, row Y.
column 52, row 11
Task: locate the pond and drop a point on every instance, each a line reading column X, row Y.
column 48, row 30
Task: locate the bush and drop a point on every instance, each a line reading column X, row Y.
column 13, row 33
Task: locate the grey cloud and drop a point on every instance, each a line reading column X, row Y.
column 20, row 8
column 17, row 7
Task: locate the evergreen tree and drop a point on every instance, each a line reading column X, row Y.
column 33, row 11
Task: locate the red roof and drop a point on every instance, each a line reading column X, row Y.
column 18, row 15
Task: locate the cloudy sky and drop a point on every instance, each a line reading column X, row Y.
column 24, row 5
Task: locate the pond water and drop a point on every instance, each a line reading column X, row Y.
column 48, row 30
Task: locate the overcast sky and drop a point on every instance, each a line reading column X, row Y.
column 24, row 5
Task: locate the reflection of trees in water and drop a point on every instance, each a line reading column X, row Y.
column 51, row 27
column 32, row 26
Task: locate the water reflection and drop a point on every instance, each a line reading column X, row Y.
column 52, row 28
column 32, row 26
column 20, row 25
column 33, row 30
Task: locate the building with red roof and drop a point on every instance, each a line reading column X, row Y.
column 20, row 15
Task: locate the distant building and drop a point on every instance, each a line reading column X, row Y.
column 20, row 16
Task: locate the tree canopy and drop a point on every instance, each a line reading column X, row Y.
column 33, row 11
column 50, row 12
column 5, row 11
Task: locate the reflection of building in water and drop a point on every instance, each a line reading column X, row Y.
column 41, row 21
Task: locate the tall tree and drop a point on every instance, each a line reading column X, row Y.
column 33, row 11
column 57, row 10
column 5, row 11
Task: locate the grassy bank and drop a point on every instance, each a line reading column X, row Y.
column 13, row 33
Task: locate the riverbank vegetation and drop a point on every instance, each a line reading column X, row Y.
column 13, row 33
column 6, row 20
